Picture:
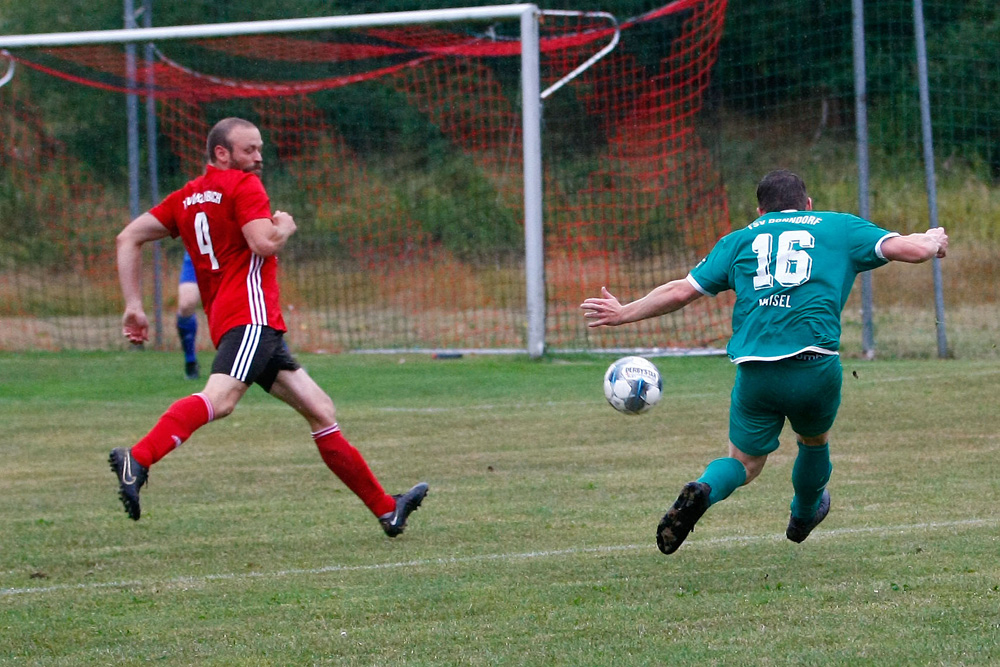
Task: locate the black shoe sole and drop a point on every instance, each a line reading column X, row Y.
column 799, row 532
column 680, row 519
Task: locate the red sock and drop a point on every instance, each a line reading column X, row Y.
column 176, row 425
column 347, row 463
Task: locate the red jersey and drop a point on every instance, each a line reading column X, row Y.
column 237, row 286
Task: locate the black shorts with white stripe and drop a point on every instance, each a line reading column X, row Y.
column 253, row 353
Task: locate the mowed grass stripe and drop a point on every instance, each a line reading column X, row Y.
column 740, row 540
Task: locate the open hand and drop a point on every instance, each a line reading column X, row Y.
column 605, row 310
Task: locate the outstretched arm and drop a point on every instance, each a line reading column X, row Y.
column 916, row 248
column 145, row 228
column 607, row 311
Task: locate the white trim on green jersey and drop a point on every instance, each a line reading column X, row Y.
column 792, row 273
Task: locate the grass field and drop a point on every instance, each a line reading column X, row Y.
column 535, row 545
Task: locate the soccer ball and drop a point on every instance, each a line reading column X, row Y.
column 632, row 385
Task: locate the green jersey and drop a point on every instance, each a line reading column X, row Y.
column 792, row 273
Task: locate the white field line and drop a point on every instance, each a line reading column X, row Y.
column 198, row 580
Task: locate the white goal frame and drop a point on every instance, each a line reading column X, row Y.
column 531, row 101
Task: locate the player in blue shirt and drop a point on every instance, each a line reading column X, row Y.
column 792, row 270
column 188, row 299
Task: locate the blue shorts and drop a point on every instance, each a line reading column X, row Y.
column 187, row 270
column 806, row 392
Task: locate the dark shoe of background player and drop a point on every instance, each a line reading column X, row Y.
column 680, row 519
column 394, row 522
column 798, row 529
column 191, row 370
column 131, row 476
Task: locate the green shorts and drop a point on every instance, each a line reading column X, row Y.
column 806, row 391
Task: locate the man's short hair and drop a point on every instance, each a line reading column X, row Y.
column 219, row 135
column 781, row 190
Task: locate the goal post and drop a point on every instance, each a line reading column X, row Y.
column 534, row 254
column 409, row 146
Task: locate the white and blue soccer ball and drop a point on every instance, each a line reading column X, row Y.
column 633, row 385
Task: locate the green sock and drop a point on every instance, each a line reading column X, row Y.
column 724, row 476
column 810, row 474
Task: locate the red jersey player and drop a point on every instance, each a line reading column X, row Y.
column 224, row 219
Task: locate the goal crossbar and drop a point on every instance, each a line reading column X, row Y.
column 208, row 30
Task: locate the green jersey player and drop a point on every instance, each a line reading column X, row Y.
column 792, row 270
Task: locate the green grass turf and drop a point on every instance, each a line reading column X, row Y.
column 535, row 545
